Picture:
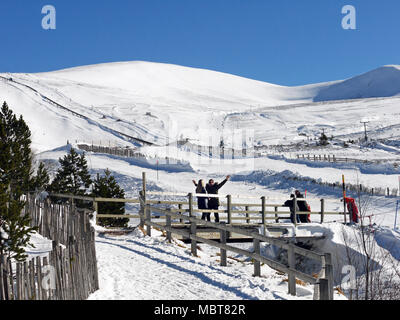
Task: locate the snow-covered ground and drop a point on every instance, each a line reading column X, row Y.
column 269, row 182
column 139, row 267
column 159, row 103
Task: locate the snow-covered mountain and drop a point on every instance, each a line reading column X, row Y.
column 381, row 82
column 110, row 102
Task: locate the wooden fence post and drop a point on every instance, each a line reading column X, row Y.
column 193, row 227
column 223, row 251
column 169, row 225
column 4, row 294
column 142, row 209
column 148, row 219
column 39, row 277
column 276, row 215
column 229, row 212
column 229, row 208
column 96, row 208
column 292, row 265
column 31, row 268
column 295, row 210
column 144, row 196
column 323, row 289
column 47, row 291
column 257, row 264
column 263, row 213
column 180, row 212
column 329, row 274
column 322, row 210
column 247, row 214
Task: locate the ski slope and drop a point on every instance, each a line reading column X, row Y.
column 109, row 104
column 160, row 103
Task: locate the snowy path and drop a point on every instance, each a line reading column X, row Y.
column 137, row 267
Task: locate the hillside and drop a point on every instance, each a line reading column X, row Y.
column 110, row 104
column 382, row 82
column 154, row 102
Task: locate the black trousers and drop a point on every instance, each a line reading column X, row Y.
column 216, row 214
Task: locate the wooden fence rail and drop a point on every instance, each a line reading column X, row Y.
column 69, row 272
column 335, row 159
column 323, row 283
column 233, row 212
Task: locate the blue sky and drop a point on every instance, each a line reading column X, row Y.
column 285, row 42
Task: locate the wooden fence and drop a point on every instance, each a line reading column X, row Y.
column 234, row 213
column 70, row 270
column 323, row 282
column 164, row 162
column 185, row 211
column 335, row 159
column 262, row 212
column 356, row 188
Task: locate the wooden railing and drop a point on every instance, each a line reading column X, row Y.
column 256, row 213
column 323, row 282
column 264, row 212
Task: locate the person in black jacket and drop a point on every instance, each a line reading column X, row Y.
column 303, row 207
column 212, row 188
column 290, row 204
column 202, row 201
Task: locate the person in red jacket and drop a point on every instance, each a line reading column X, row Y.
column 353, row 210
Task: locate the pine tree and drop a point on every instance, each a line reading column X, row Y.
column 15, row 152
column 15, row 179
column 107, row 187
column 41, row 181
column 73, row 176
